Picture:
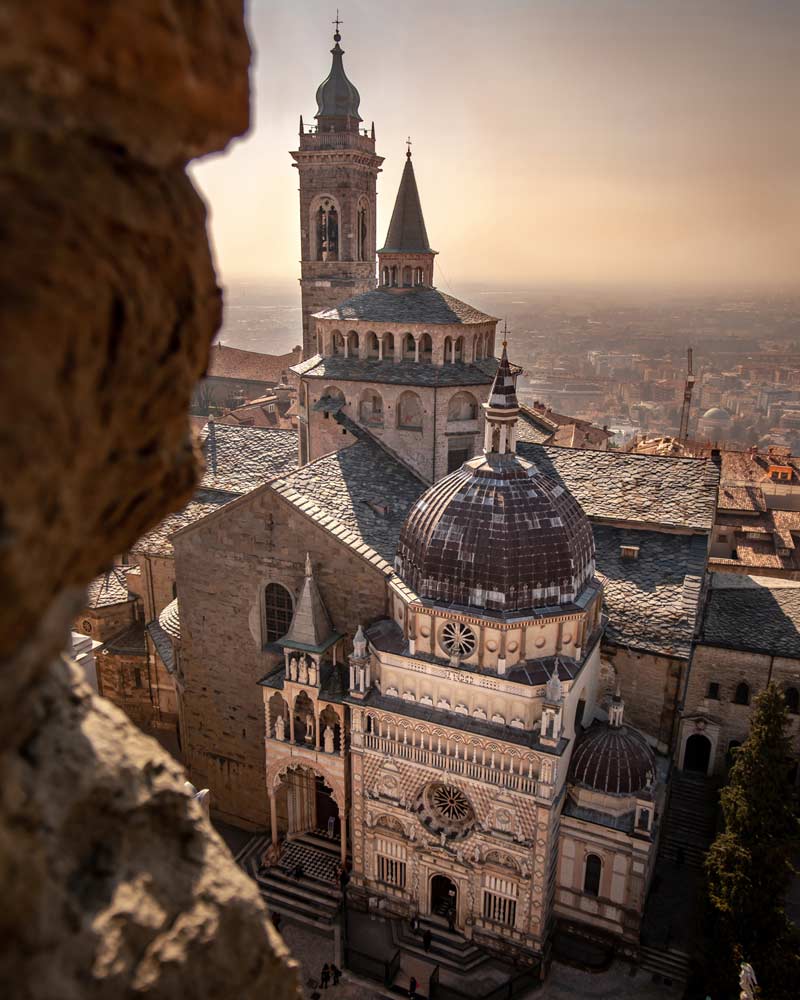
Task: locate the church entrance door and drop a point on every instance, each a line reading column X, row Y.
column 444, row 896
column 697, row 753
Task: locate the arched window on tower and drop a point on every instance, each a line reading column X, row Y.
column 278, row 607
column 425, row 348
column 327, row 231
column 409, row 412
column 370, row 408
column 477, row 347
column 407, row 277
column 409, row 347
column 372, row 345
column 385, row 277
column 417, row 275
column 458, row 349
column 361, row 227
column 394, row 276
column 742, row 695
column 591, row 875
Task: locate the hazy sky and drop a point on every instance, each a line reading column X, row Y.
column 624, row 142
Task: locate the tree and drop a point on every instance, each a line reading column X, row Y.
column 748, row 867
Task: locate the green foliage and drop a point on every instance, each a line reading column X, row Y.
column 748, row 867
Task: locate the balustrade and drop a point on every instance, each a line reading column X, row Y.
column 496, row 772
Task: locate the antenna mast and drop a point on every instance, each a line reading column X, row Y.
column 683, row 434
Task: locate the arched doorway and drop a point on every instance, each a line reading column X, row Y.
column 305, row 804
column 444, row 896
column 697, row 753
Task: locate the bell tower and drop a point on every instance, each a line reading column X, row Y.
column 338, row 174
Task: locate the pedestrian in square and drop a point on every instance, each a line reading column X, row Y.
column 412, row 988
column 325, row 976
column 427, row 937
column 336, row 972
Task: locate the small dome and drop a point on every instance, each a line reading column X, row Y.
column 497, row 534
column 336, row 95
column 612, row 759
column 170, row 620
column 717, row 413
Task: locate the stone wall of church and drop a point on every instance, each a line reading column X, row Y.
column 729, row 722
column 104, row 623
column 223, row 565
column 650, row 686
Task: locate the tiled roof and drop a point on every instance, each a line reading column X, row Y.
column 742, row 467
column 237, row 460
column 753, row 613
column 426, row 306
column 240, row 458
column 399, row 372
column 107, row 589
column 128, row 643
column 250, row 366
column 346, row 493
column 531, row 428
column 651, row 601
column 741, row 498
column 644, row 489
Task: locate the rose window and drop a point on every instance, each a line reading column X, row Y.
column 451, row 802
column 445, row 811
column 457, row 639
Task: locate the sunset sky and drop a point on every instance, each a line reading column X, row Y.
column 642, row 143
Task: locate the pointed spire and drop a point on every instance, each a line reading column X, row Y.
column 311, row 624
column 504, row 388
column 407, row 232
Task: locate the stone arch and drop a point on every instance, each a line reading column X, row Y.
column 373, row 349
column 386, row 276
column 409, row 347
column 324, row 224
column 458, row 349
column 362, row 229
column 697, row 753
column 334, row 394
column 426, row 348
column 370, row 408
column 352, row 344
column 388, row 344
column 394, row 275
column 477, row 347
column 329, row 718
column 391, row 824
column 418, row 275
column 742, row 694
column 448, row 349
column 407, row 276
column 409, row 411
column 462, row 406
column 337, row 343
column 592, row 874
column 277, row 707
column 280, row 768
column 502, row 860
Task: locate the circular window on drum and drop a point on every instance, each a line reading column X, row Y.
column 457, row 639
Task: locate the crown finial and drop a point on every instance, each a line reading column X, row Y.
column 337, row 37
column 408, row 148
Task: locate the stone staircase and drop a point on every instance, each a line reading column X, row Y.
column 449, row 949
column 314, row 898
column 670, row 965
column 691, row 819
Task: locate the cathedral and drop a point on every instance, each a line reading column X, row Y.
column 433, row 650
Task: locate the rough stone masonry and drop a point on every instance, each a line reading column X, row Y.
column 113, row 883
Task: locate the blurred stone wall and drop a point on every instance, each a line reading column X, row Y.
column 113, row 883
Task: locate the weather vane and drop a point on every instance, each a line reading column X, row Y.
column 408, row 146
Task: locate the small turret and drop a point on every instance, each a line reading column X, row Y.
column 552, row 710
column 360, row 679
column 502, row 409
column 406, row 260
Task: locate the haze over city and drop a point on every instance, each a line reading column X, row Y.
column 610, row 144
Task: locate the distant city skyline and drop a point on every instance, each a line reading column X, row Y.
column 611, row 143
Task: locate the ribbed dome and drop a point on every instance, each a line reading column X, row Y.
column 497, row 534
column 170, row 620
column 612, row 759
column 336, row 95
column 716, row 413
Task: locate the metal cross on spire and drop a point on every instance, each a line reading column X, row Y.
column 505, row 333
column 408, row 147
column 337, row 22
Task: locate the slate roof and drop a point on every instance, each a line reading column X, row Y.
column 423, row 305
column 398, row 373
column 407, row 233
column 531, row 429
column 651, row 601
column 163, row 645
column 237, row 460
column 644, row 489
column 108, row 589
column 341, row 491
column 760, row 614
column 128, row 643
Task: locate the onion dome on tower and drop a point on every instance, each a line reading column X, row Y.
column 497, row 534
column 337, row 97
column 612, row 758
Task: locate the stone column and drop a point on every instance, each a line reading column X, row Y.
column 273, row 818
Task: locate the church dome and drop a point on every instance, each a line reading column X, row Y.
column 499, row 535
column 336, row 95
column 614, row 759
column 717, row 414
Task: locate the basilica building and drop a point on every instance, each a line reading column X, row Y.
column 431, row 649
